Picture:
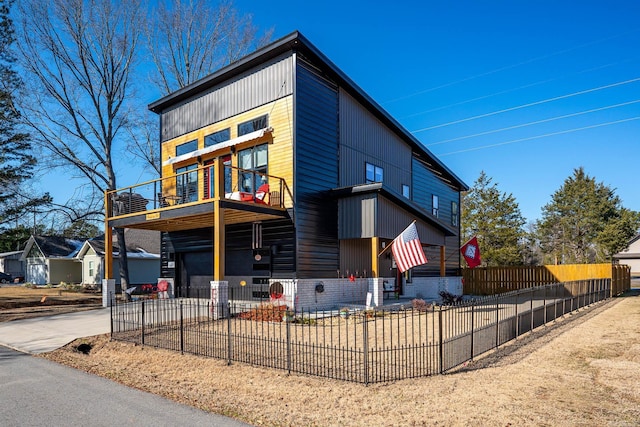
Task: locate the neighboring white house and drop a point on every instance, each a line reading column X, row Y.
column 51, row 260
column 631, row 256
column 143, row 255
column 10, row 263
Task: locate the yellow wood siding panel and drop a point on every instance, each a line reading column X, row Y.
column 280, row 152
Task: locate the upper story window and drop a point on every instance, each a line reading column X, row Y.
column 406, row 191
column 454, row 213
column 373, row 173
column 434, row 205
column 187, row 147
column 253, row 162
column 253, row 125
column 217, row 137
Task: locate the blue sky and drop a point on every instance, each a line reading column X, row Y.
column 525, row 90
column 449, row 70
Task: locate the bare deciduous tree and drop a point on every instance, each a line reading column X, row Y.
column 190, row 39
column 79, row 56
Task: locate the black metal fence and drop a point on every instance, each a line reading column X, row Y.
column 359, row 345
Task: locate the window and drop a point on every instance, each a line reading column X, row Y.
column 217, row 137
column 187, row 183
column 454, row 213
column 252, row 159
column 373, row 173
column 187, row 147
column 406, row 191
column 252, row 125
column 91, row 269
column 434, row 205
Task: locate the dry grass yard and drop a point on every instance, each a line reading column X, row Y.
column 583, row 370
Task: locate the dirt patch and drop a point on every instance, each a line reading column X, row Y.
column 18, row 302
column 583, row 370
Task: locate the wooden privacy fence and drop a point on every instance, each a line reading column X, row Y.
column 497, row 280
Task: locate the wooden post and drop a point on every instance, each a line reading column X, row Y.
column 443, row 269
column 375, row 265
column 218, row 221
column 108, row 240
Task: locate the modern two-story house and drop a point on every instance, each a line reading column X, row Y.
column 279, row 167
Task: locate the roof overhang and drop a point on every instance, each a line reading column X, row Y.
column 399, row 200
column 226, row 144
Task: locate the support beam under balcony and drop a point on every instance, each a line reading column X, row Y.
column 218, row 221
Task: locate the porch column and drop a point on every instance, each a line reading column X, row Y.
column 375, row 243
column 443, row 270
column 218, row 221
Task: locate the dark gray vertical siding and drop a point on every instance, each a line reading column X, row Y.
column 425, row 184
column 355, row 257
column 316, row 160
column 393, row 220
column 363, row 138
column 357, row 217
column 270, row 81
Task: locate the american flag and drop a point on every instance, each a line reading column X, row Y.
column 407, row 249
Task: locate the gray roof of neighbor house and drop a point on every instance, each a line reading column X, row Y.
column 138, row 242
column 297, row 42
column 53, row 246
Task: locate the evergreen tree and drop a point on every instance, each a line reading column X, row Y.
column 16, row 162
column 494, row 218
column 584, row 222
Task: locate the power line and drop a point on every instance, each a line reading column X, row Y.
column 519, row 107
column 508, row 67
column 502, row 92
column 541, row 136
column 533, row 123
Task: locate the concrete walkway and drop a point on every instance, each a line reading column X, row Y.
column 44, row 334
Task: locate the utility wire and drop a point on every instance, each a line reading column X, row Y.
column 508, row 67
column 540, row 136
column 533, row 123
column 519, row 107
column 538, row 83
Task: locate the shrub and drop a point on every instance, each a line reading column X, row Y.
column 420, row 305
column 265, row 313
column 448, row 298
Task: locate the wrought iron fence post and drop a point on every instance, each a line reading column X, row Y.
column 517, row 319
column 497, row 322
column 181, row 330
column 365, row 347
column 473, row 305
column 288, row 329
column 440, row 349
column 533, row 294
column 229, row 340
column 544, row 306
column 111, row 299
column 142, row 317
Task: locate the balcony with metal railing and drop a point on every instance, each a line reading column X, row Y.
column 186, row 200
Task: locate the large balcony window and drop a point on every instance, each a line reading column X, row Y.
column 252, row 159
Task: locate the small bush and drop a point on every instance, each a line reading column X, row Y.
column 265, row 313
column 420, row 305
column 29, row 285
column 449, row 299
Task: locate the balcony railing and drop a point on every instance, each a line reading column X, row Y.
column 197, row 186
